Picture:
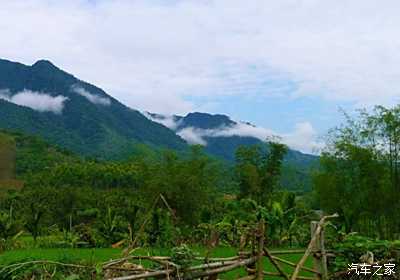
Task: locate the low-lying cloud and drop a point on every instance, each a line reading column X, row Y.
column 37, row 101
column 302, row 138
column 194, row 136
column 95, row 99
column 169, row 121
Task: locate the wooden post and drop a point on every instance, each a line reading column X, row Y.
column 260, row 250
column 251, row 267
column 316, row 248
column 324, row 259
column 311, row 245
column 276, row 264
column 320, row 260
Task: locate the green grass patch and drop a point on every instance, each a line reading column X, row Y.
column 105, row 254
column 61, row 255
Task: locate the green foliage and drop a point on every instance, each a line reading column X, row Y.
column 10, row 230
column 33, row 154
column 7, row 157
column 88, row 173
column 188, row 183
column 162, row 232
column 353, row 247
column 287, row 220
column 183, row 256
column 72, row 202
column 359, row 175
column 258, row 172
column 100, row 203
column 110, row 227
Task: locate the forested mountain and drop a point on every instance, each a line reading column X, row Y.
column 221, row 137
column 43, row 100
column 226, row 145
column 46, row 101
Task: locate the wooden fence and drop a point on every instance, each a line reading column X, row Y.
column 251, row 262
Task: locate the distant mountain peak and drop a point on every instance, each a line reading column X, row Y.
column 44, row 63
column 206, row 120
column 48, row 70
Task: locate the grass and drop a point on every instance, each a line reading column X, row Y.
column 62, row 255
column 104, row 254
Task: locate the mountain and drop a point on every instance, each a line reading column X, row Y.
column 44, row 100
column 221, row 136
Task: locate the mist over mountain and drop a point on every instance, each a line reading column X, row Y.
column 221, row 135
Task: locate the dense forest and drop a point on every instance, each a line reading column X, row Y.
column 164, row 198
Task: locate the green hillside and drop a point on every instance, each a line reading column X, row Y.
column 104, row 130
column 33, row 154
column 7, row 157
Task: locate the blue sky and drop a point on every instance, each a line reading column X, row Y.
column 277, row 113
column 284, row 65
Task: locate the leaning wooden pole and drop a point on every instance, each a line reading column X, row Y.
column 316, row 248
column 276, row 264
column 220, row 270
column 311, row 245
column 324, row 258
column 260, row 250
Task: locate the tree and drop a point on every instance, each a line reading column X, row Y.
column 359, row 174
column 36, row 203
column 271, row 169
column 258, row 171
column 187, row 182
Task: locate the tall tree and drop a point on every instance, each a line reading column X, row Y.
column 258, row 170
column 359, row 174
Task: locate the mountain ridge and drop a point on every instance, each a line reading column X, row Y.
column 84, row 127
column 214, row 122
column 91, row 122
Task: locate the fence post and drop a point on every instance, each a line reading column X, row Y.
column 319, row 253
column 316, row 248
column 324, row 259
column 260, row 250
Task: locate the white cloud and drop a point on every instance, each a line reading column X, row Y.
column 152, row 54
column 243, row 129
column 38, row 101
column 303, row 138
column 193, row 135
column 95, row 99
column 166, row 120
